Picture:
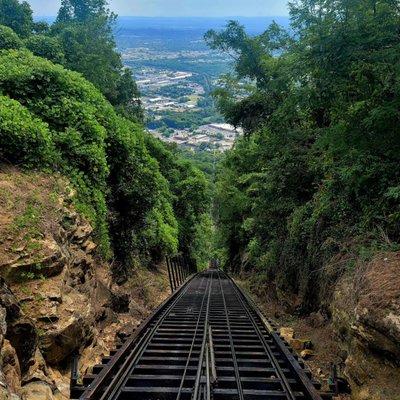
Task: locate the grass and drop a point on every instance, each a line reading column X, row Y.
column 29, row 221
column 30, row 210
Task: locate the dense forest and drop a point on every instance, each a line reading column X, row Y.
column 68, row 106
column 314, row 186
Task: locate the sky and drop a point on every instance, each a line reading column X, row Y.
column 180, row 8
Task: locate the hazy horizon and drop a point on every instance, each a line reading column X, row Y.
column 180, row 8
column 184, row 16
column 253, row 25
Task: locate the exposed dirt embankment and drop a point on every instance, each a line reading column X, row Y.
column 56, row 295
column 360, row 334
column 366, row 318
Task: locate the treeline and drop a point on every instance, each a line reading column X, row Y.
column 68, row 105
column 314, row 186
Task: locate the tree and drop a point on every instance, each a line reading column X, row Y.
column 267, row 80
column 9, row 39
column 84, row 10
column 41, row 28
column 17, row 16
column 85, row 30
column 191, row 197
column 317, row 168
column 46, row 47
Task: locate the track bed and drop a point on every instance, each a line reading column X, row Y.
column 207, row 341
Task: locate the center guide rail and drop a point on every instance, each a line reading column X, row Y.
column 208, row 341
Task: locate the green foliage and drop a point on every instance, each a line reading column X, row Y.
column 71, row 106
column 74, row 112
column 203, row 245
column 41, row 28
column 23, row 138
column 9, row 39
column 138, row 189
column 17, row 16
column 82, row 10
column 318, row 168
column 82, row 40
column 85, row 30
column 191, row 198
column 46, row 47
column 119, row 184
column 143, row 199
column 161, row 233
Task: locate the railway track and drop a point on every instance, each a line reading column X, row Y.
column 207, row 341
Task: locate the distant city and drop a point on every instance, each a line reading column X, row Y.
column 152, row 82
column 176, row 73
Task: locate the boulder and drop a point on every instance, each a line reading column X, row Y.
column 82, row 260
column 300, row 344
column 48, row 261
column 89, row 246
column 37, row 391
column 316, row 320
column 366, row 316
column 82, row 233
column 10, row 367
column 38, row 370
column 9, row 302
column 24, row 339
column 5, row 392
column 119, row 302
column 306, row 354
column 58, row 344
column 286, row 333
column 47, row 266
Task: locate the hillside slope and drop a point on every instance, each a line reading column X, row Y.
column 57, row 297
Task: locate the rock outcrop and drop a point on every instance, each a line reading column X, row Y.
column 57, row 297
column 366, row 315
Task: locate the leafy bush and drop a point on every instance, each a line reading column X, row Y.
column 53, row 117
column 191, row 198
column 79, row 118
column 9, row 39
column 23, row 138
column 136, row 190
column 46, row 47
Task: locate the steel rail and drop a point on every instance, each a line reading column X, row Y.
column 208, row 383
column 286, row 386
column 203, row 346
column 297, row 369
column 207, row 326
column 120, row 379
column 100, row 382
column 233, row 351
column 212, row 356
column 206, row 294
column 170, row 275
